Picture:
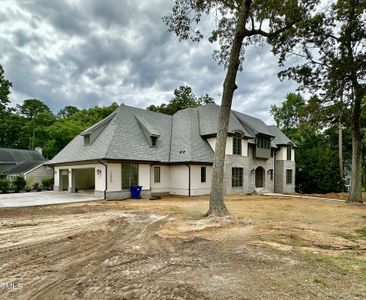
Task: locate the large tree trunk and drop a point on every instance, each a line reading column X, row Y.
column 340, row 152
column 217, row 205
column 355, row 195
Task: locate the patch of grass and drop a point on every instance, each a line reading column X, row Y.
column 319, row 280
column 347, row 265
column 361, row 232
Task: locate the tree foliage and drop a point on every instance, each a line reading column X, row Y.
column 183, row 98
column 5, row 86
column 316, row 157
column 330, row 55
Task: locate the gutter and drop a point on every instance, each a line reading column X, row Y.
column 189, row 180
column 106, row 179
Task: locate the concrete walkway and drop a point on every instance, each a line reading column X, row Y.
column 43, row 198
column 301, row 196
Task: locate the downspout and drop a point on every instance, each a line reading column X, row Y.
column 274, row 172
column 106, row 179
column 189, row 180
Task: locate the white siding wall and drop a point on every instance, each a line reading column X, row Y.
column 114, row 177
column 198, row 187
column 282, row 154
column 38, row 174
column 229, row 145
column 144, row 176
column 179, row 180
column 164, row 185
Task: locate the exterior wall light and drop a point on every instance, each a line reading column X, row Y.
column 252, row 171
column 99, row 171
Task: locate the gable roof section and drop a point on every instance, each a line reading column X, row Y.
column 18, row 155
column 128, row 140
column 187, row 144
column 253, row 125
column 25, row 166
column 280, row 137
column 208, row 121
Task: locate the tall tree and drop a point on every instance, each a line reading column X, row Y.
column 35, row 113
column 238, row 24
column 330, row 56
column 5, row 86
column 183, row 98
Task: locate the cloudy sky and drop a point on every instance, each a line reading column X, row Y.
column 90, row 52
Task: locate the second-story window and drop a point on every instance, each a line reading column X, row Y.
column 289, row 149
column 237, row 144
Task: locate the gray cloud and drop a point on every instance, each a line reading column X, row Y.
column 89, row 53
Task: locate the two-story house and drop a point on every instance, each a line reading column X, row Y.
column 174, row 155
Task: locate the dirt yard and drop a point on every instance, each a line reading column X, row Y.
column 272, row 248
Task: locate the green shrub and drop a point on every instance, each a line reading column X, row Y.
column 47, row 183
column 4, row 185
column 19, row 183
column 28, row 188
column 35, row 186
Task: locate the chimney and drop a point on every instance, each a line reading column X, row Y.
column 39, row 150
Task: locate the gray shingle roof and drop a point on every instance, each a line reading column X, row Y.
column 25, row 166
column 17, row 155
column 208, row 117
column 280, row 137
column 187, row 144
column 253, row 125
column 124, row 136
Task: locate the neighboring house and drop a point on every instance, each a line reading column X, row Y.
column 26, row 163
column 174, row 154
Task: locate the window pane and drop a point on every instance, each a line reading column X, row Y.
column 134, row 174
column 237, row 144
column 125, row 176
column 237, row 177
column 156, row 174
column 129, row 175
column 289, row 152
column 288, row 176
column 203, row 174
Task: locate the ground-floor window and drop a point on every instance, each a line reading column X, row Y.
column 203, row 174
column 237, row 177
column 130, row 175
column 156, row 174
column 288, row 176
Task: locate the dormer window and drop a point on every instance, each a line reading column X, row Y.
column 86, row 140
column 154, row 139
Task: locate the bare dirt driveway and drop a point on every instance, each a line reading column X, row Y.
column 273, row 248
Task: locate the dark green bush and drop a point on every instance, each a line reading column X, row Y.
column 47, row 183
column 19, row 183
column 35, row 186
column 4, row 185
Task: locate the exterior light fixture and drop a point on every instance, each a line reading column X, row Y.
column 252, row 171
column 99, row 171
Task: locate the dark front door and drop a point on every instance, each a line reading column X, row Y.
column 259, row 177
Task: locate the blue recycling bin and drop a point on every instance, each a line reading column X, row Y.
column 135, row 191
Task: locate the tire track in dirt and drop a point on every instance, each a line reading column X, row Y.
column 105, row 244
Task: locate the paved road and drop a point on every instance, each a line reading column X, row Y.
column 43, row 198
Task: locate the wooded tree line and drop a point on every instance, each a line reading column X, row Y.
column 320, row 166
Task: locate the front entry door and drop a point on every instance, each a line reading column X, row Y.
column 259, row 177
